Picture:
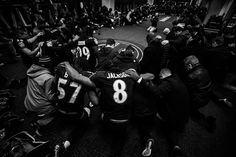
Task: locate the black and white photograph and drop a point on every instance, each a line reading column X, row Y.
column 117, row 78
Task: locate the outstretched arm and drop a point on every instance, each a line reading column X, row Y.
column 77, row 77
column 158, row 90
column 31, row 40
column 33, row 53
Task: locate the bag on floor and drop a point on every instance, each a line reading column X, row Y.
column 23, row 144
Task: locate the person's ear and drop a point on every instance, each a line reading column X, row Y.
column 189, row 66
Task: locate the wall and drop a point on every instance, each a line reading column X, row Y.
column 150, row 2
column 109, row 4
column 214, row 8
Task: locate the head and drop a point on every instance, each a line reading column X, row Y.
column 126, row 56
column 122, row 61
column 190, row 62
column 88, row 31
column 110, row 43
column 164, row 73
column 218, row 41
column 177, row 30
column 166, row 31
column 130, row 48
column 150, row 37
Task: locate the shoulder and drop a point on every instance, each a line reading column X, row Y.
column 92, row 40
column 98, row 74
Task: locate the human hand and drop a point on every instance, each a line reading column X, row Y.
column 41, row 44
column 164, row 42
column 72, row 73
column 76, row 37
column 40, row 34
column 133, row 74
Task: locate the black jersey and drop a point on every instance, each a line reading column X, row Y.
column 116, row 93
column 85, row 51
column 71, row 94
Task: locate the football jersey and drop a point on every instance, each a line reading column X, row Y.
column 85, row 51
column 116, row 93
column 70, row 93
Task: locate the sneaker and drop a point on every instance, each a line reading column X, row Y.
column 148, row 149
column 226, row 102
column 177, row 151
column 61, row 148
column 2, row 64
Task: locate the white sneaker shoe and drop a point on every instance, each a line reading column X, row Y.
column 148, row 150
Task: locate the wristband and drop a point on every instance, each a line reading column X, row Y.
column 139, row 80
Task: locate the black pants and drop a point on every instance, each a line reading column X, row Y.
column 144, row 126
column 117, row 132
column 70, row 127
column 173, row 132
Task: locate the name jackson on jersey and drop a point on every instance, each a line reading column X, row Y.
column 114, row 75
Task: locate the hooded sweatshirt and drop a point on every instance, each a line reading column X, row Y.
column 39, row 93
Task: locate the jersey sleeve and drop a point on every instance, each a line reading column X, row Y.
column 97, row 77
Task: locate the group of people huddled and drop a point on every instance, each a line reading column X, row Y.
column 69, row 74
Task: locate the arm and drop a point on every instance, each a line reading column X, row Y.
column 77, row 77
column 159, row 91
column 50, row 92
column 93, row 97
column 31, row 40
column 34, row 52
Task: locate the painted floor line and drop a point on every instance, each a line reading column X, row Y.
column 165, row 19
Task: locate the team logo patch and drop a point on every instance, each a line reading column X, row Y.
column 121, row 45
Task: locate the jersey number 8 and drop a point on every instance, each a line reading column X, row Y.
column 120, row 94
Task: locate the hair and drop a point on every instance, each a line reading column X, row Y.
column 165, row 72
column 130, row 48
column 191, row 61
column 150, row 37
column 110, row 41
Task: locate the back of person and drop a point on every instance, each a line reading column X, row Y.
column 105, row 55
column 177, row 101
column 116, row 93
column 86, row 52
column 71, row 94
column 198, row 81
column 39, row 95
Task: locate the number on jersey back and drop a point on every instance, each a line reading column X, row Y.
column 70, row 93
column 85, row 52
column 81, row 51
column 116, row 93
